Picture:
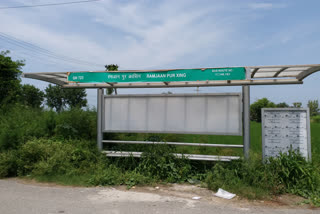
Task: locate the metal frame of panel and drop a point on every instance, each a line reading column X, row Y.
column 178, row 155
column 238, row 95
column 287, row 109
column 189, row 156
column 246, row 116
column 100, row 116
column 173, row 143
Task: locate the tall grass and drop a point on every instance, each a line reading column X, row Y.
column 48, row 146
column 289, row 173
column 315, row 119
column 19, row 123
column 78, row 162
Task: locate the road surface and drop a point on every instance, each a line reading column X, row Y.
column 19, row 196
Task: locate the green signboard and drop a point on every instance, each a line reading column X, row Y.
column 234, row 73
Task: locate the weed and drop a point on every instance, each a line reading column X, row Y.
column 316, row 119
column 50, row 146
column 289, row 173
column 76, row 124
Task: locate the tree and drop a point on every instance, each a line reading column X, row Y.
column 31, row 96
column 10, row 72
column 111, row 67
column 297, row 105
column 59, row 98
column 255, row 108
column 282, row 105
column 313, row 107
column 54, row 97
column 75, row 97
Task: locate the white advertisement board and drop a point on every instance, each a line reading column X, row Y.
column 218, row 114
column 285, row 128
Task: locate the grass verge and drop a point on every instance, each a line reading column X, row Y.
column 76, row 162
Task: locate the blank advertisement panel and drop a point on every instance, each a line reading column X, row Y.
column 218, row 114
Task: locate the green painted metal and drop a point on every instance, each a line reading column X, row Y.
column 234, row 73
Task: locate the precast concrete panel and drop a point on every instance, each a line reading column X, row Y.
column 284, row 129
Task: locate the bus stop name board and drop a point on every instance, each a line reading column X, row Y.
column 233, row 73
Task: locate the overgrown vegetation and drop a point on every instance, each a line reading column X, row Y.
column 59, row 98
column 316, row 119
column 78, row 162
column 290, row 173
column 19, row 123
column 59, row 146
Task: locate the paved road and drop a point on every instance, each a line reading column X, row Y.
column 26, row 198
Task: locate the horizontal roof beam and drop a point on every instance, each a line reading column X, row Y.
column 188, row 84
column 260, row 75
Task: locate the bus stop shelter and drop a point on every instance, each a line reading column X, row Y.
column 245, row 76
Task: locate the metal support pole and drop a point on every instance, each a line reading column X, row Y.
column 99, row 118
column 246, row 120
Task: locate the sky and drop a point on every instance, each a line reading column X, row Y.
column 167, row 35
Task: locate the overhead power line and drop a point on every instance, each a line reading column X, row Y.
column 36, row 48
column 23, row 54
column 47, row 5
column 42, row 51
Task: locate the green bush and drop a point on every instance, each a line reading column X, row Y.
column 47, row 158
column 33, row 152
column 159, row 162
column 289, row 173
column 316, row 119
column 18, row 124
column 76, row 124
column 244, row 178
column 50, row 122
column 296, row 174
column 255, row 108
column 78, row 161
column 8, row 164
column 113, row 175
column 107, row 176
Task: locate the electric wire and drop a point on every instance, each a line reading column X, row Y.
column 34, row 52
column 43, row 60
column 46, row 5
column 44, row 51
column 38, row 50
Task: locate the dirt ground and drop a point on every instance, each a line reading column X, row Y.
column 188, row 191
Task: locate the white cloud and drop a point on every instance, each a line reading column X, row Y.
column 164, row 34
column 135, row 35
column 65, row 44
column 290, row 35
column 266, row 6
